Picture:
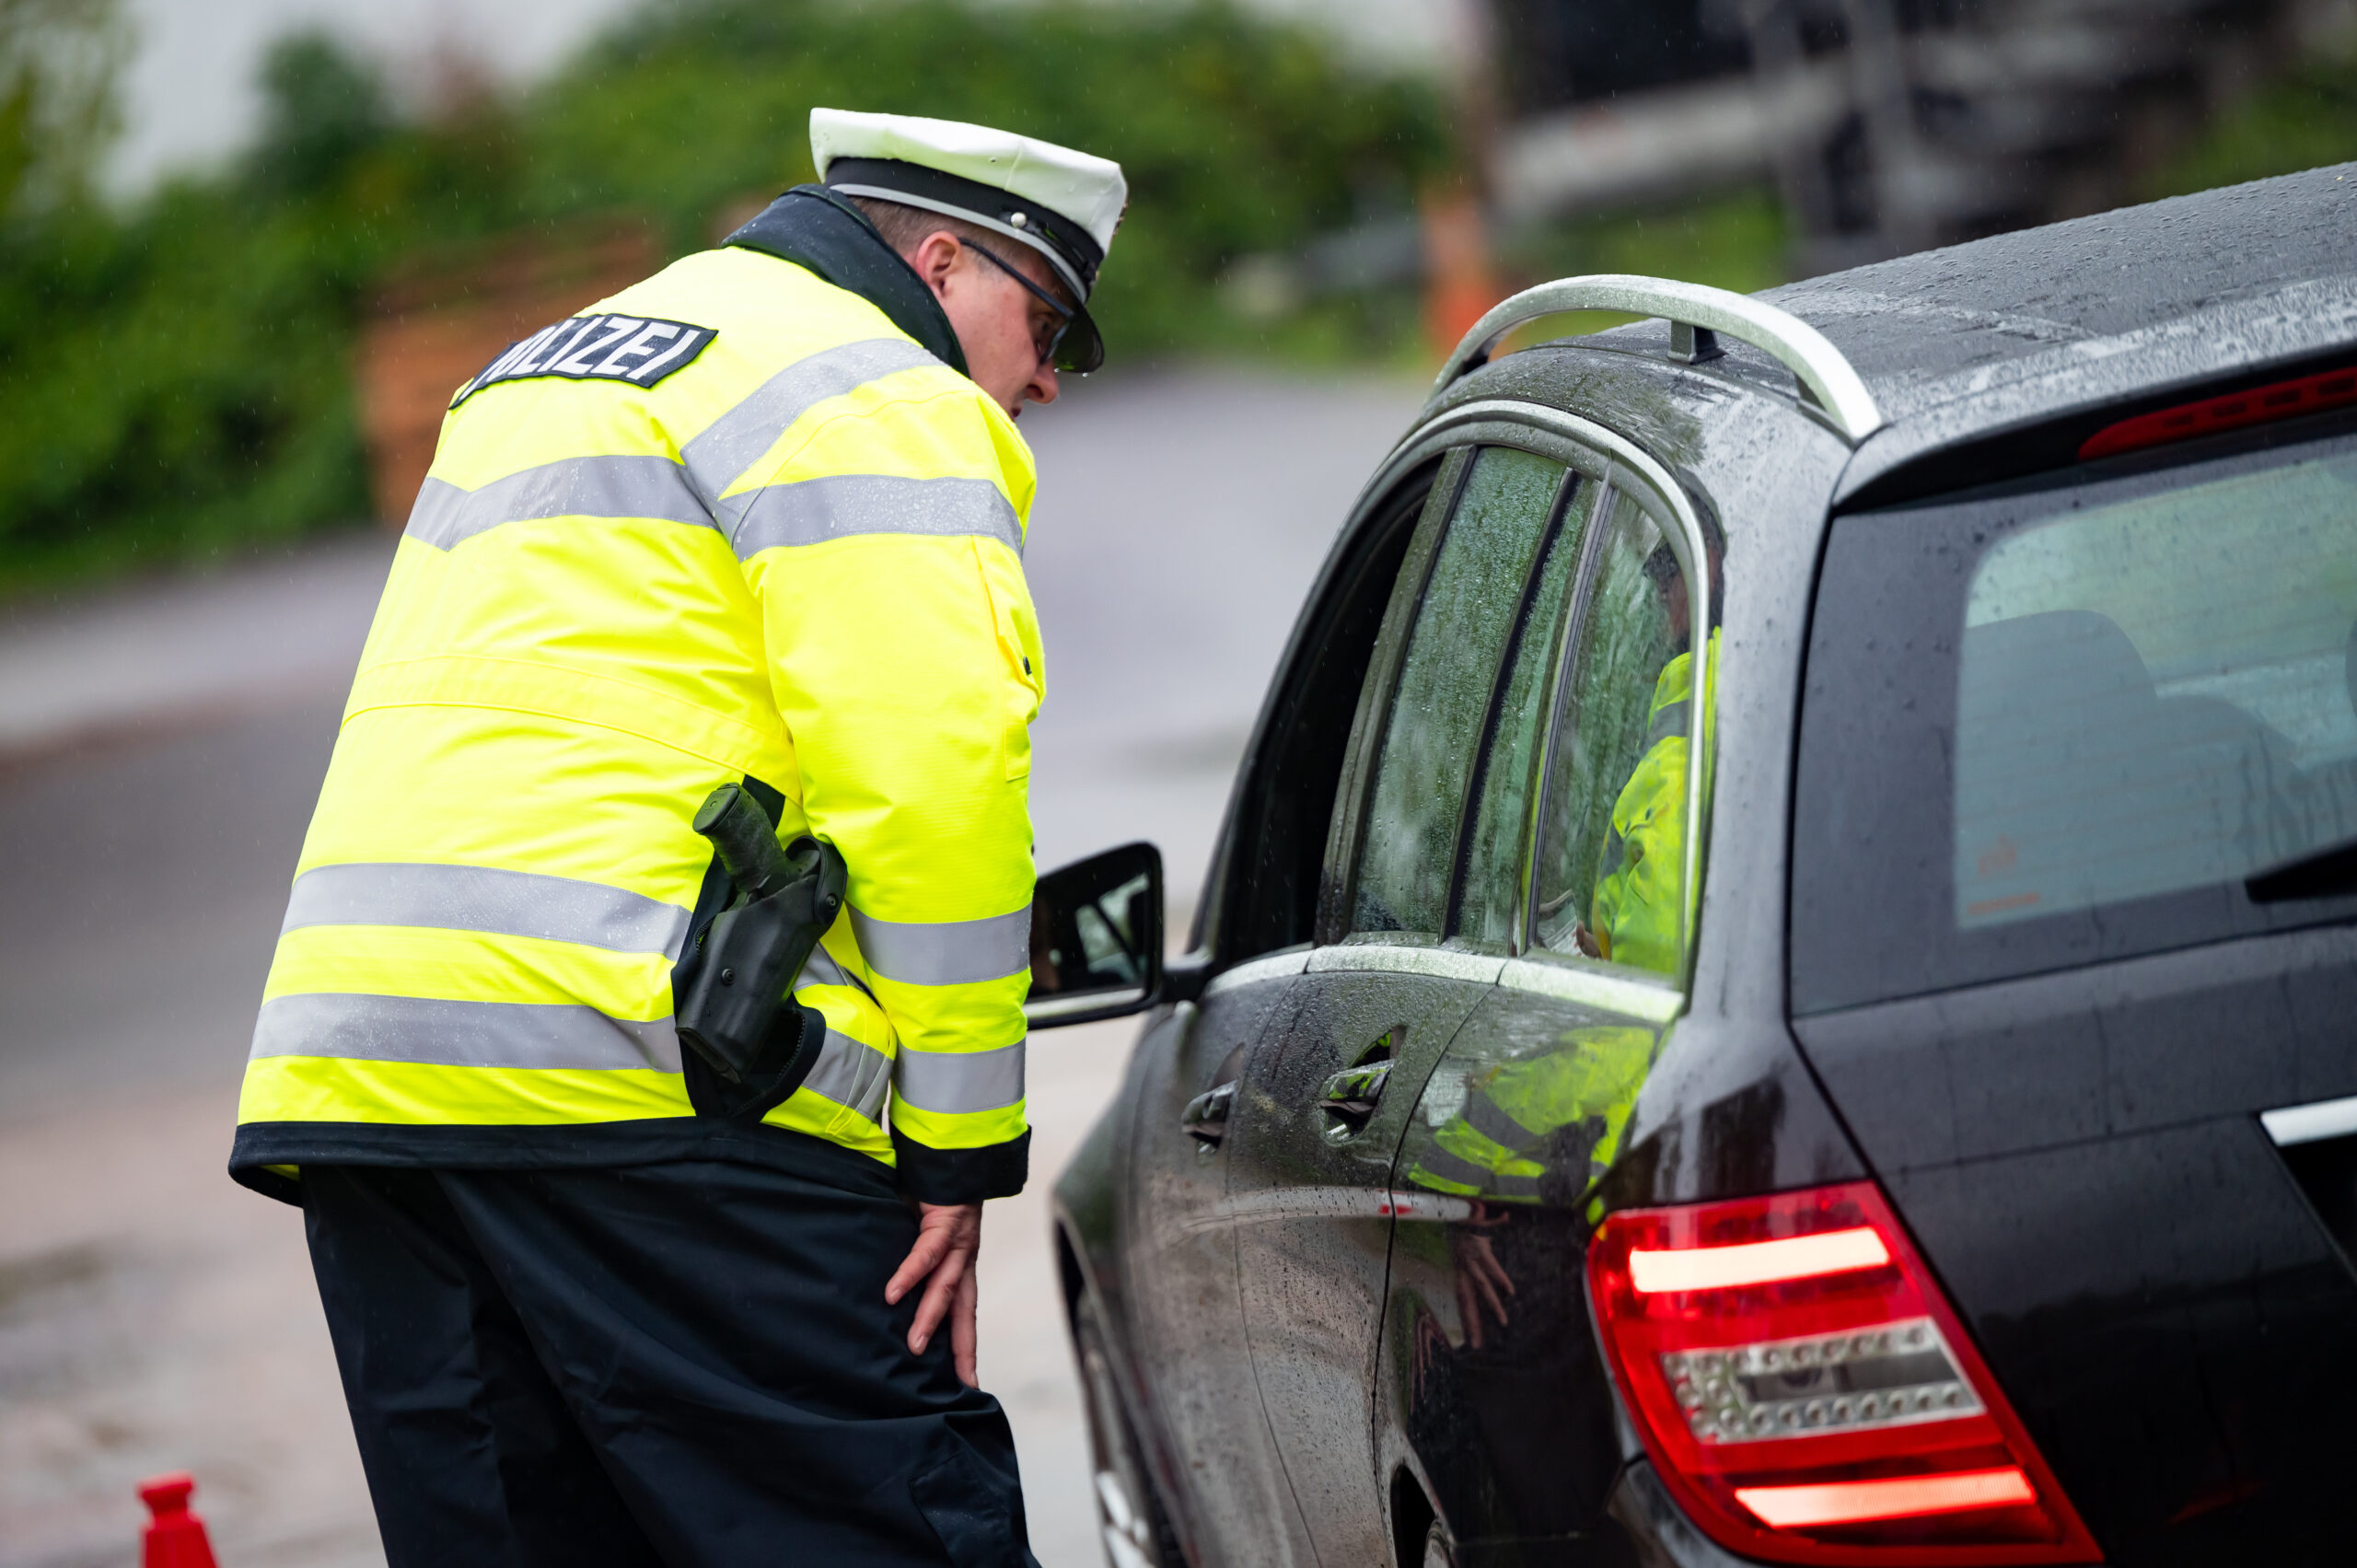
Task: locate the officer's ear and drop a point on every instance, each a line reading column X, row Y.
column 936, row 257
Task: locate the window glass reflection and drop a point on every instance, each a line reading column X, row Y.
column 1493, row 859
column 1443, row 697
column 2159, row 694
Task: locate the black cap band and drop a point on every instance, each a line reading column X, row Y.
column 1067, row 240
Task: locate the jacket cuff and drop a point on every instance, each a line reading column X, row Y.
column 962, row 1176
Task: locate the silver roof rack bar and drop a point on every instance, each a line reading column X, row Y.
column 1694, row 311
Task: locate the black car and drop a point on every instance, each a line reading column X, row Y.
column 1777, row 985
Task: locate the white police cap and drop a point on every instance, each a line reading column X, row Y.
column 1064, row 204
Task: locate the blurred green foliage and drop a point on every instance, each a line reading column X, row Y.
column 2308, row 120
column 174, row 378
column 1734, row 240
column 58, row 65
column 1236, row 135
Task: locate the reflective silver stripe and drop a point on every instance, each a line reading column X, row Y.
column 953, row 1083
column 637, row 486
column 822, row 970
column 433, row 1032
column 477, row 897
column 1670, row 720
column 851, row 1073
column 813, row 511
column 949, row 952
column 731, row 444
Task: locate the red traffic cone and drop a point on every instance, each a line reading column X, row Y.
column 175, row 1538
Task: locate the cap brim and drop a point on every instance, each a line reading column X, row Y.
column 1083, row 348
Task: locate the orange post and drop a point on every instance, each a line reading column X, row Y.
column 1460, row 284
column 175, row 1538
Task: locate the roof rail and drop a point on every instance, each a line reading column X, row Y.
column 1695, row 313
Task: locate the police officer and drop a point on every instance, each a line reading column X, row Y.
column 757, row 521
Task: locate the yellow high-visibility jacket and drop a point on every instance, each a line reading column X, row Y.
column 1639, row 912
column 733, row 523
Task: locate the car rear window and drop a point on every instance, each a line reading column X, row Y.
column 2052, row 724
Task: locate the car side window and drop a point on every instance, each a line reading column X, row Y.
column 1267, row 888
column 1609, row 878
column 1493, row 855
column 1432, row 733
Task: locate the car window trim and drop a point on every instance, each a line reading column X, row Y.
column 1282, row 964
column 1418, row 957
column 1595, row 983
column 1623, row 466
column 1587, row 982
column 1601, row 518
column 1610, row 458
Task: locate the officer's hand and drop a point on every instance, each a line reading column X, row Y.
column 948, row 1237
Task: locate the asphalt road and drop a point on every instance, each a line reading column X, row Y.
column 159, row 750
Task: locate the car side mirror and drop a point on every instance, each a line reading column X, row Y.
column 1097, row 938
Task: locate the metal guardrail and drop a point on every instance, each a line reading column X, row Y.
column 1694, row 312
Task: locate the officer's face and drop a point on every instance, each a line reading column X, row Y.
column 999, row 324
column 1674, row 603
column 1673, row 598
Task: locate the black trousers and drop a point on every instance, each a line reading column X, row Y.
column 687, row 1364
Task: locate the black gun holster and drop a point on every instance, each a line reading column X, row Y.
column 749, row 1043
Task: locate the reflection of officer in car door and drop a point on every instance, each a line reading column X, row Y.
column 1532, row 1131
column 1638, row 914
column 1543, row 1128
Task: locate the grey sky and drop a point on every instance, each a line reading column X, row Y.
column 189, row 100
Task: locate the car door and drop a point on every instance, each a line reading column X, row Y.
column 1325, row 1092
column 1220, row 1459
column 1495, row 1398
column 1182, row 1312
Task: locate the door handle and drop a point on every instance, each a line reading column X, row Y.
column 1205, row 1118
column 1351, row 1095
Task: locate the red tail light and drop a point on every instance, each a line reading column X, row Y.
column 1806, row 1393
column 2213, row 416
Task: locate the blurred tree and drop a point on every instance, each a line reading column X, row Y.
column 1237, row 135
column 2303, row 121
column 174, row 378
column 323, row 108
column 59, row 64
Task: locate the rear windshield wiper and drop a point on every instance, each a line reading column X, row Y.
column 2317, row 874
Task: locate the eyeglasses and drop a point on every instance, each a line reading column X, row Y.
column 1048, row 345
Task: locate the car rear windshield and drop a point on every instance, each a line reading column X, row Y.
column 2047, row 725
